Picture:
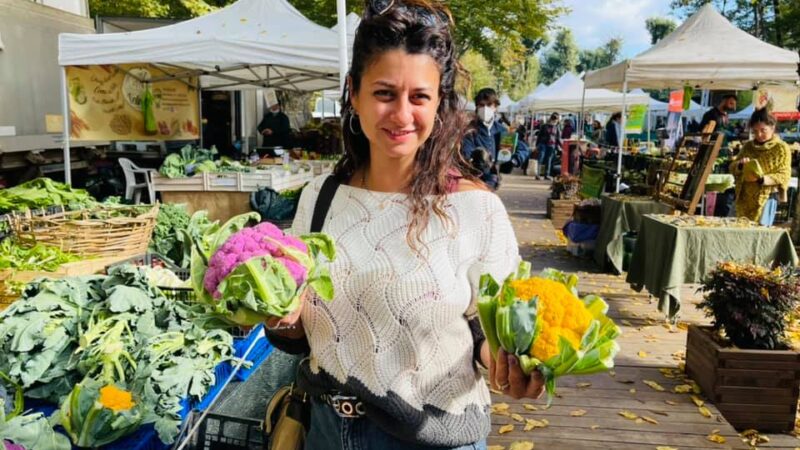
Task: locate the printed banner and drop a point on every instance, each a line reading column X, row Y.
column 675, row 101
column 106, row 104
column 635, row 119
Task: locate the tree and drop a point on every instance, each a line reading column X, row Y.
column 175, row 9
column 659, row 28
column 481, row 74
column 562, row 57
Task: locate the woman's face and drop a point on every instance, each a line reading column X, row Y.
column 763, row 132
column 397, row 103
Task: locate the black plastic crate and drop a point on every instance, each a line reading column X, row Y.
column 152, row 259
column 224, row 432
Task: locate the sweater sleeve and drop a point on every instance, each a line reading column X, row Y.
column 782, row 173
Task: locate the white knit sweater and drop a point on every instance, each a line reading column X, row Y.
column 396, row 333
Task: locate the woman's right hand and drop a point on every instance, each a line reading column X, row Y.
column 290, row 326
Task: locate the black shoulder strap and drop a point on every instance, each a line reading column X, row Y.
column 324, row 200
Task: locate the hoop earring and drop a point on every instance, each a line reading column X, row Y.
column 352, row 130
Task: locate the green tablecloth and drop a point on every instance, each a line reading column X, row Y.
column 667, row 255
column 621, row 214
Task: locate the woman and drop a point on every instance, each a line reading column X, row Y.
column 612, row 130
column 757, row 196
column 400, row 342
column 547, row 141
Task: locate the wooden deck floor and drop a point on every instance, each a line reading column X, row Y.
column 587, row 414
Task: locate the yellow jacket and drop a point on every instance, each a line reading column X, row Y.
column 775, row 158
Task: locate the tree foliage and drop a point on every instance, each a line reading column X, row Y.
column 659, row 28
column 602, row 56
column 774, row 21
column 562, row 57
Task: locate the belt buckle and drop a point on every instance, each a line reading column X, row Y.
column 346, row 407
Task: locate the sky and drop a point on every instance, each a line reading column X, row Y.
column 594, row 22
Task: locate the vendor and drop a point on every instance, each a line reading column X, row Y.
column 719, row 114
column 486, row 130
column 757, row 194
column 275, row 126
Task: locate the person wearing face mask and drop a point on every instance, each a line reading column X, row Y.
column 719, row 113
column 486, row 130
column 275, row 126
column 547, row 141
column 757, row 193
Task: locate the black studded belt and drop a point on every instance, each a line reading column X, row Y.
column 345, row 406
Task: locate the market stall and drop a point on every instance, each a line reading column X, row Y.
column 673, row 250
column 248, row 45
column 705, row 52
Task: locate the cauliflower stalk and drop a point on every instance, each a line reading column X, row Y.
column 248, row 274
column 544, row 322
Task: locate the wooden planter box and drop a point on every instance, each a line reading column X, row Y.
column 560, row 211
column 751, row 388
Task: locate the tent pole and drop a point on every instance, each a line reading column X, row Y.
column 341, row 13
column 580, row 118
column 66, row 136
column 200, row 111
column 621, row 138
column 648, row 125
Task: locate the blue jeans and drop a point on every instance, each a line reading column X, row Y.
column 546, row 158
column 328, row 431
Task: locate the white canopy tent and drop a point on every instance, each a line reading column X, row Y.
column 705, row 52
column 505, row 103
column 352, row 21
column 568, row 94
column 249, row 44
column 526, row 102
column 744, row 114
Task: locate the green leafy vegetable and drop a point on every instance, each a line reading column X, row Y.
column 42, row 257
column 32, row 431
column 41, row 193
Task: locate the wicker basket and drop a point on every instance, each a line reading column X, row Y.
column 78, row 232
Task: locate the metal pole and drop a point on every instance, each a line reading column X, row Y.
column 621, row 139
column 648, row 124
column 66, row 131
column 580, row 119
column 244, row 132
column 200, row 111
column 341, row 13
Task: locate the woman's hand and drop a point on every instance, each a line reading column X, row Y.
column 506, row 376
column 290, row 326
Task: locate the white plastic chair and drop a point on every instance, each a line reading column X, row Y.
column 133, row 190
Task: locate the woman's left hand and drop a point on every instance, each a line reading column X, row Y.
column 505, row 375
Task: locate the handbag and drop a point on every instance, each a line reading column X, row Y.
column 287, row 419
column 288, row 414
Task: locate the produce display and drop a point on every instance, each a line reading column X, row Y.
column 189, row 161
column 28, row 432
column 40, row 257
column 705, row 221
column 41, row 193
column 246, row 274
column 174, row 232
column 542, row 320
column 112, row 351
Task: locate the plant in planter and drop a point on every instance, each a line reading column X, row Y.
column 565, row 188
column 743, row 362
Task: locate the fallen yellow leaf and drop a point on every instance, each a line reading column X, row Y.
column 704, row 411
column 666, row 448
column 506, row 429
column 639, row 420
column 531, row 424
column 530, row 407
column 583, row 385
column 521, row 445
column 697, row 400
column 683, row 326
column 578, row 413
column 626, row 322
column 682, row 388
column 517, row 417
column 654, row 385
column 594, row 427
column 714, row 437
column 612, row 373
column 500, row 407
column 642, row 354
column 650, row 420
column 670, row 402
column 628, row 415
column 495, row 391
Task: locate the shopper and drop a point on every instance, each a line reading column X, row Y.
column 548, row 139
column 757, row 196
column 400, row 342
column 613, row 130
column 486, row 129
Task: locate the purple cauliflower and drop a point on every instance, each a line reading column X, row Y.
column 260, row 240
column 11, row 446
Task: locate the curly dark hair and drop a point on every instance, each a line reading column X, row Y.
column 417, row 27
